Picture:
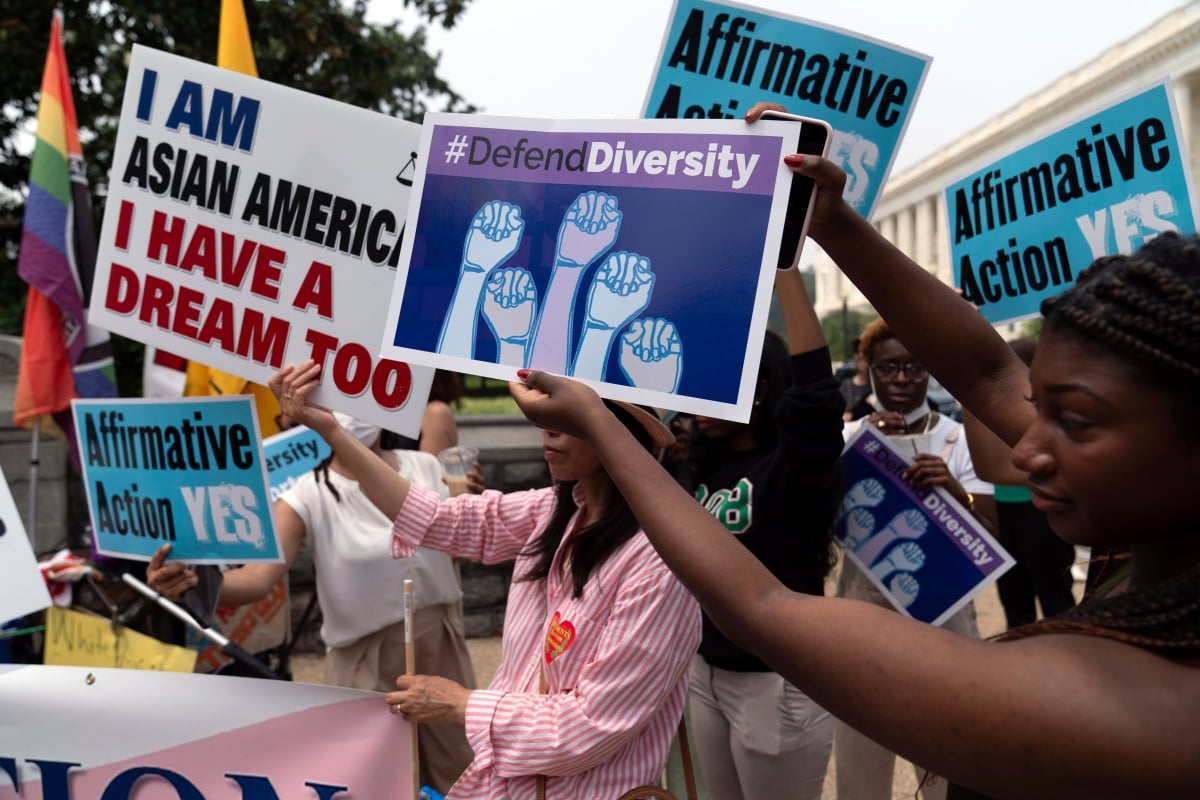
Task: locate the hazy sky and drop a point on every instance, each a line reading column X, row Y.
column 592, row 58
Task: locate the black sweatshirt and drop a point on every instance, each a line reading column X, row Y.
column 780, row 501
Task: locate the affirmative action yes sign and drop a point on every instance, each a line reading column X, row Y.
column 1024, row 227
column 250, row 226
column 187, row 471
column 718, row 59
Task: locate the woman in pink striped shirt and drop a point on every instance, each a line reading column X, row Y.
column 598, row 634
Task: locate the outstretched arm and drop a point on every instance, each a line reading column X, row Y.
column 944, row 333
column 979, row 713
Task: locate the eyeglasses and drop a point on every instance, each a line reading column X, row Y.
column 888, row 369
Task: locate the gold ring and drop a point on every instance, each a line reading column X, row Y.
column 879, row 423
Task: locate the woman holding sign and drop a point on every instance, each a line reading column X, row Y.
column 940, row 458
column 598, row 633
column 1098, row 702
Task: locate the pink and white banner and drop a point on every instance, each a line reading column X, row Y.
column 75, row 733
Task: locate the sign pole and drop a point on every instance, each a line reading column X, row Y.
column 410, row 669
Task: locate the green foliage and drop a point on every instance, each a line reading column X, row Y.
column 322, row 46
column 1031, row 328
column 472, row 406
column 841, row 327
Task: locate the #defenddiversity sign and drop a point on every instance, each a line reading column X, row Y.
column 636, row 255
column 1024, row 227
column 250, row 226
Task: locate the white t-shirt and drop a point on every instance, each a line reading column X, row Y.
column 958, row 461
column 360, row 585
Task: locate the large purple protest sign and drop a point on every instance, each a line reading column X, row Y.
column 924, row 551
column 637, row 256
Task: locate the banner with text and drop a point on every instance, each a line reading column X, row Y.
column 718, row 59
column 637, row 256
column 249, row 226
column 80, row 732
column 24, row 587
column 188, row 471
column 1024, row 227
column 926, row 553
column 83, row 639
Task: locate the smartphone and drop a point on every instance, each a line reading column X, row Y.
column 813, row 139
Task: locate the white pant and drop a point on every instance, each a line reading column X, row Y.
column 755, row 734
column 864, row 767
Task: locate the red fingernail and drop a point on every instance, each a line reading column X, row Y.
column 523, row 373
column 794, row 159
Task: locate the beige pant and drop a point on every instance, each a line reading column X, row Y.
column 865, row 768
column 439, row 648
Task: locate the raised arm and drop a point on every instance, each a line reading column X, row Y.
column 799, row 319
column 382, row 485
column 970, row 710
column 948, row 336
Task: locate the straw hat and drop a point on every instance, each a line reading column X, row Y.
column 649, row 419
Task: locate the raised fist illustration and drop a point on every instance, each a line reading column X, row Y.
column 651, row 354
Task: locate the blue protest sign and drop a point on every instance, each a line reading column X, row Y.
column 925, row 552
column 636, row 255
column 289, row 454
column 718, row 59
column 188, row 471
column 1024, row 227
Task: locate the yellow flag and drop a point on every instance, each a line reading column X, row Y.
column 233, row 44
column 234, row 52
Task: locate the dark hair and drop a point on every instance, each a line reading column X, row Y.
column 592, row 544
column 775, row 370
column 321, row 470
column 1144, row 310
column 447, row 386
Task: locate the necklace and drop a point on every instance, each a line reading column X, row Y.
column 928, row 423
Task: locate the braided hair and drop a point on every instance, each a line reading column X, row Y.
column 1144, row 309
column 322, row 472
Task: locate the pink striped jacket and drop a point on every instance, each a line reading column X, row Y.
column 615, row 659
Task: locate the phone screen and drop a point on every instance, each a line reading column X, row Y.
column 813, row 140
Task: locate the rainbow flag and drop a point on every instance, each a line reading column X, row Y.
column 61, row 355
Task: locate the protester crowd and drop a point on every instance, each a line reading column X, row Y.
column 670, row 582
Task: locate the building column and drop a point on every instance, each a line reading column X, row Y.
column 923, row 234
column 905, row 231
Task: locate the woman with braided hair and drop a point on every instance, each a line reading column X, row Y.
column 1099, row 702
